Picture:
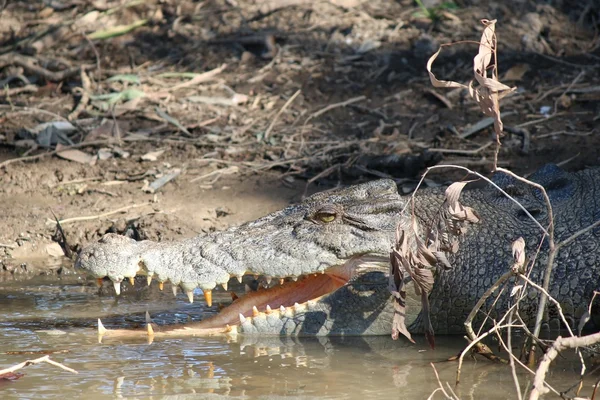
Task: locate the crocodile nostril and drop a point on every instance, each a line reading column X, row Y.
column 536, row 213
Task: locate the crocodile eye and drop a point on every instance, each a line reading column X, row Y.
column 326, row 217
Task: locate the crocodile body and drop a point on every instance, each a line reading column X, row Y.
column 336, row 244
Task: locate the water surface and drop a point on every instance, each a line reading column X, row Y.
column 43, row 315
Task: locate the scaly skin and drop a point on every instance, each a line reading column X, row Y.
column 345, row 236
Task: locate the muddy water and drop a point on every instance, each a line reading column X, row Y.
column 38, row 315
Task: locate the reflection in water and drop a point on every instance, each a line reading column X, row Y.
column 50, row 317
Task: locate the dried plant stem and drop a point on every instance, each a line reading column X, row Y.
column 560, row 344
column 441, row 387
column 286, row 105
column 516, row 359
column 511, row 360
column 106, row 214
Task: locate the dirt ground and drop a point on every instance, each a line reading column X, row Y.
column 243, row 107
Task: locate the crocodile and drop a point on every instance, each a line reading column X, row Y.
column 324, row 262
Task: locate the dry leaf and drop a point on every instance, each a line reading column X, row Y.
column 77, row 156
column 516, row 73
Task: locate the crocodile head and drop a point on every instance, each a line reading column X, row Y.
column 317, row 257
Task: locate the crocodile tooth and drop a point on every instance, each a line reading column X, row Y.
column 268, row 310
column 294, row 278
column 224, row 286
column 322, row 272
column 239, row 278
column 281, row 281
column 131, row 281
column 228, row 328
column 161, row 285
column 174, row 288
column 234, row 296
column 242, row 319
column 101, row 329
column 255, row 311
column 99, row 282
column 150, row 330
column 148, row 319
column 256, row 277
column 282, row 308
column 190, row 296
column 299, row 307
column 208, row 297
column 247, row 288
column 268, row 279
column 117, row 287
column 232, row 330
column 149, row 279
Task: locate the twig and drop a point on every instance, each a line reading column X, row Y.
column 464, row 152
column 579, row 76
column 28, row 64
column 511, row 360
column 200, row 78
column 286, row 105
column 27, row 363
column 333, row 106
column 106, row 214
column 552, row 299
column 535, row 221
column 441, row 387
column 7, row 92
column 86, row 87
column 559, row 345
column 525, row 367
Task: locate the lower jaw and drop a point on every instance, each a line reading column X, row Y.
column 286, row 300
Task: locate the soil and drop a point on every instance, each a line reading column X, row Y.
column 311, row 95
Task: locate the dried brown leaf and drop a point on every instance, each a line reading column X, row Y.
column 453, row 192
column 439, row 83
column 11, row 376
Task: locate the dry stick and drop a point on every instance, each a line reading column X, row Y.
column 7, row 92
column 441, row 387
column 464, row 152
column 286, row 105
column 27, row 363
column 201, row 78
column 106, row 214
column 552, row 299
column 559, row 345
column 511, row 360
column 548, row 274
column 333, row 106
column 495, row 328
column 475, row 339
column 28, row 64
column 579, row 76
column 525, row 367
column 535, row 221
column 543, row 299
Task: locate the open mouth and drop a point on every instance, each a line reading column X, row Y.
column 283, row 301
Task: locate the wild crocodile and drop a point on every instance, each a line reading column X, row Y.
column 326, row 259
